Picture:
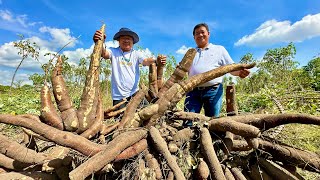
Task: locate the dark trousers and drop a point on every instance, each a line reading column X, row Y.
column 210, row 98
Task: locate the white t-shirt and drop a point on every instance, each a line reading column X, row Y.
column 213, row 56
column 125, row 72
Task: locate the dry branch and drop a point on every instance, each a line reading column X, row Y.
column 114, row 113
column 115, row 107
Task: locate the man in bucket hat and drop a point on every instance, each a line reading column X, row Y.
column 125, row 64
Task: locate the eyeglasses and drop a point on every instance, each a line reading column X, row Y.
column 199, row 33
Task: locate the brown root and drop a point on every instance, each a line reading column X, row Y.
column 60, row 137
column 180, row 72
column 303, row 159
column 111, row 151
column 63, row 100
column 132, row 107
column 20, row 153
column 202, row 171
column 234, row 127
column 96, row 126
column 153, row 86
column 88, row 106
column 48, row 112
column 161, row 146
column 133, row 150
column 210, row 155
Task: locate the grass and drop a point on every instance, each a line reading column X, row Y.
column 302, row 136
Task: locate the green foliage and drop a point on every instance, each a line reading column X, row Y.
column 255, row 102
column 247, row 58
column 21, row 101
column 278, row 77
column 312, row 69
column 37, row 79
column 279, row 59
column 171, row 65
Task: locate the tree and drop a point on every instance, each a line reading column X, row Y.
column 37, row 79
column 278, row 64
column 312, row 69
column 26, row 49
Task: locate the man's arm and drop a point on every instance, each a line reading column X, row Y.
column 241, row 73
column 105, row 54
column 148, row 61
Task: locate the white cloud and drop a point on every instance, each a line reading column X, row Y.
column 6, row 77
column 60, row 37
column 183, row 49
column 9, row 57
column 274, row 31
column 19, row 20
column 6, row 15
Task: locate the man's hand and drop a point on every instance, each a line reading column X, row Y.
column 161, row 59
column 244, row 73
column 98, row 36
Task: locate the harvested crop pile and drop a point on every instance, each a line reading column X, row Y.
column 148, row 143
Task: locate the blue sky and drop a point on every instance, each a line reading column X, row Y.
column 165, row 27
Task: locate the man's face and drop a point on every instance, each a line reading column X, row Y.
column 201, row 36
column 126, row 43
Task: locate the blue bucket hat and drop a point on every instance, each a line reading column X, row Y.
column 126, row 32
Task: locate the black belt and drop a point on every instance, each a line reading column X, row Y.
column 208, row 87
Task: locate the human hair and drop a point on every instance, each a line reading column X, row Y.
column 200, row 25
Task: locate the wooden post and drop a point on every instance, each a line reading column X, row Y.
column 232, row 108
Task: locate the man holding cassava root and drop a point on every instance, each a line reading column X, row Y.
column 208, row 57
column 125, row 64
